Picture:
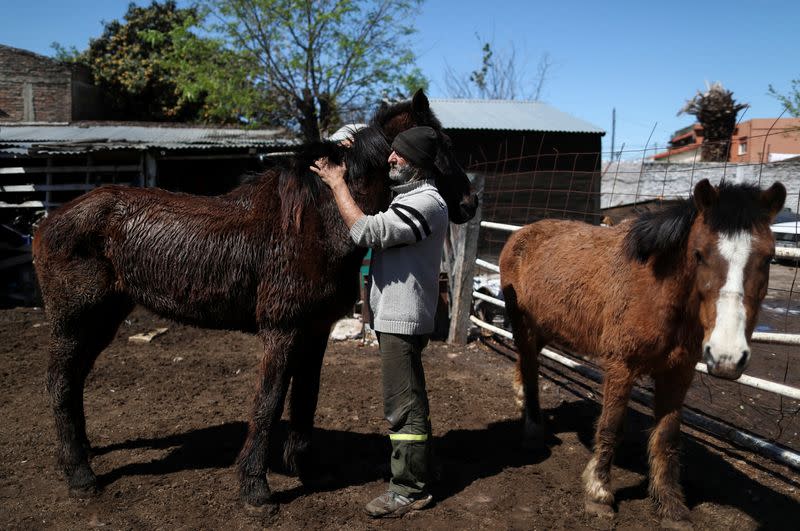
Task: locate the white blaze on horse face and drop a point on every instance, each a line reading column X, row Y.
column 728, row 344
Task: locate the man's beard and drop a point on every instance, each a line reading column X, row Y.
column 402, row 174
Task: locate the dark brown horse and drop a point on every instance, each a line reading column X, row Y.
column 272, row 257
column 648, row 297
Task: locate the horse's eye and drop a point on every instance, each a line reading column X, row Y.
column 698, row 256
column 768, row 260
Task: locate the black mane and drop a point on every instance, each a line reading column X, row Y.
column 659, row 233
column 367, row 156
column 738, row 209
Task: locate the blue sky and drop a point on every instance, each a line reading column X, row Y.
column 644, row 58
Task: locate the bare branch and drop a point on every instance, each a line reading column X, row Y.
column 501, row 75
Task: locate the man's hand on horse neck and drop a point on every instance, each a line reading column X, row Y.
column 333, row 176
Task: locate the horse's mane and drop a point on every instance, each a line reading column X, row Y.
column 298, row 186
column 659, row 232
column 664, row 232
column 738, row 209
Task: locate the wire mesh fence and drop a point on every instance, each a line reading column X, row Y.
column 594, row 188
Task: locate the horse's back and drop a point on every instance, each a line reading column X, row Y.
column 542, row 247
column 173, row 253
column 557, row 277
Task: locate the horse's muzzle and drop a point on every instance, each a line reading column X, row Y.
column 724, row 365
column 466, row 209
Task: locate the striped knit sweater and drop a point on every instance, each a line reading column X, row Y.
column 408, row 239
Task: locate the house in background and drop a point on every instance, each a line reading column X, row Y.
column 538, row 162
column 684, row 146
column 753, row 142
column 35, row 88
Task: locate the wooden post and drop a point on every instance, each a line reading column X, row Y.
column 464, row 242
column 150, row 170
column 48, row 194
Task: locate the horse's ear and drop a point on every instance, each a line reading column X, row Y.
column 419, row 102
column 705, row 195
column 772, row 199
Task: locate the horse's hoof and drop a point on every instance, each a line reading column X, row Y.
column 83, row 492
column 534, row 437
column 599, row 509
column 82, row 483
column 265, row 511
column 668, row 523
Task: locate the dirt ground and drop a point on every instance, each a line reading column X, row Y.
column 168, row 419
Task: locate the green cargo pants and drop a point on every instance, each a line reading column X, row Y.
column 405, row 406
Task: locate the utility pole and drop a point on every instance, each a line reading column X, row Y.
column 613, row 129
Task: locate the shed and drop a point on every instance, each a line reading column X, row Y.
column 538, row 162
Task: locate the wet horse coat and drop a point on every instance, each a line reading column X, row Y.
column 651, row 296
column 272, row 257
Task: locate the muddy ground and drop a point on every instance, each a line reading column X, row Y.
column 168, row 418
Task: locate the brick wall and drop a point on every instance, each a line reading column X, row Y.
column 33, row 88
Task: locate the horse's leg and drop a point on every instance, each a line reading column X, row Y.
column 665, row 489
column 77, row 339
column 526, row 381
column 105, row 323
column 274, row 372
column 597, row 475
column 303, row 400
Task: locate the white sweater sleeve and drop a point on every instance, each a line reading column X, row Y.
column 407, row 221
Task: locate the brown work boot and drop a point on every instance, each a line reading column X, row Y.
column 391, row 505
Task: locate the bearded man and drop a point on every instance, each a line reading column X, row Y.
column 407, row 241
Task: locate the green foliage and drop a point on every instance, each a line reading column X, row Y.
column 791, row 100
column 305, row 64
column 208, row 72
column 150, row 66
column 132, row 61
column 317, row 63
column 479, row 76
column 66, row 55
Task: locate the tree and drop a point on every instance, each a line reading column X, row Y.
column 499, row 76
column 791, row 100
column 130, row 63
column 319, row 62
column 155, row 66
column 716, row 111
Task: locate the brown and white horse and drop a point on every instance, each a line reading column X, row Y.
column 651, row 296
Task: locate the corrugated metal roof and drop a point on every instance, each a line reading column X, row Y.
column 507, row 115
column 80, row 138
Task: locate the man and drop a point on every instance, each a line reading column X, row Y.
column 407, row 240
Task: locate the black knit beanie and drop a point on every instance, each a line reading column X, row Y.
column 417, row 145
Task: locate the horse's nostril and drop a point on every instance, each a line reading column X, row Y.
column 707, row 355
column 744, row 359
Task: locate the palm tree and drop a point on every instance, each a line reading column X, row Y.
column 716, row 111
